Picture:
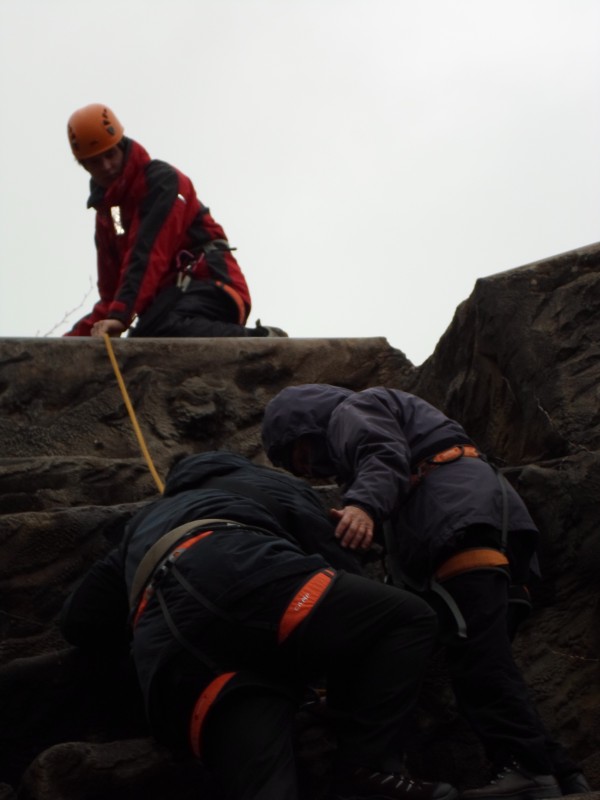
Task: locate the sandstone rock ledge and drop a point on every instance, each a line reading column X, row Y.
column 519, row 367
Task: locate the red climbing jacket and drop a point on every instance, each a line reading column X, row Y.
column 145, row 221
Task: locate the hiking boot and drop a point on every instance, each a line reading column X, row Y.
column 388, row 786
column 516, row 783
column 575, row 783
column 267, row 330
column 272, row 331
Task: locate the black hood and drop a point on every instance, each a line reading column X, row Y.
column 299, row 411
column 192, row 471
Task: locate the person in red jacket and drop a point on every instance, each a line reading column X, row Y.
column 162, row 258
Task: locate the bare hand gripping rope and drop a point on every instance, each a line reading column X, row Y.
column 131, row 412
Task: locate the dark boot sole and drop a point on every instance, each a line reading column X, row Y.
column 450, row 795
column 535, row 793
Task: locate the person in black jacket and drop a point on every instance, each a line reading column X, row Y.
column 231, row 616
column 454, row 530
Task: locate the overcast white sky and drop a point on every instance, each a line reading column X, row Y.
column 370, row 159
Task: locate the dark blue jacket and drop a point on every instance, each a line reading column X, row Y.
column 372, row 441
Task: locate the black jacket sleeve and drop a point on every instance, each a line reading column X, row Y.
column 306, row 520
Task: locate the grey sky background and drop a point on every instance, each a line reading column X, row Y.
column 370, row 159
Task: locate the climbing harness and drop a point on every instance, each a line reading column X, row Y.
column 300, row 607
column 202, row 707
column 129, row 406
column 303, row 603
column 190, row 268
column 188, row 264
column 447, row 456
column 161, row 557
column 160, row 549
column 185, row 264
column 475, row 558
column 160, row 560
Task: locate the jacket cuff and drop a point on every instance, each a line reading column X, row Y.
column 119, row 311
column 358, row 504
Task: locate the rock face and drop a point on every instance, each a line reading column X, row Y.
column 519, row 366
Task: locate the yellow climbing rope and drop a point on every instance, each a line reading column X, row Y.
column 134, row 422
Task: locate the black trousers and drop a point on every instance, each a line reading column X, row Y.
column 203, row 311
column 490, row 689
column 371, row 642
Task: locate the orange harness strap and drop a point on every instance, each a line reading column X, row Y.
column 175, row 553
column 454, row 453
column 300, row 607
column 202, row 706
column 467, row 560
column 237, row 299
column 303, row 603
column 445, row 457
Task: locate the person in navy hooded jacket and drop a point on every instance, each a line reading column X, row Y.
column 455, row 530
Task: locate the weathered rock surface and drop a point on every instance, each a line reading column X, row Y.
column 519, row 367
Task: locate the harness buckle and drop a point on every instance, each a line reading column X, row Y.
column 162, row 571
column 186, row 263
column 447, row 456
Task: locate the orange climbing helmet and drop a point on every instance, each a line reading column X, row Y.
column 92, row 130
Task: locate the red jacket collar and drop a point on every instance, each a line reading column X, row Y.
column 136, row 158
